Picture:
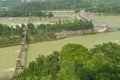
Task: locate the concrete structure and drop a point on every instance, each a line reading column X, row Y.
column 4, row 8
column 98, row 27
column 25, row 0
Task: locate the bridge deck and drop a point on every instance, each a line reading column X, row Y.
column 95, row 23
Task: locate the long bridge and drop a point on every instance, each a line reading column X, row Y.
column 98, row 27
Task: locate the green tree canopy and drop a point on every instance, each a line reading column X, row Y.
column 76, row 62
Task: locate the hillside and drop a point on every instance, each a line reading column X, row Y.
column 75, row 62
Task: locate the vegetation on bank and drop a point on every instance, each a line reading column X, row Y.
column 12, row 35
column 76, row 62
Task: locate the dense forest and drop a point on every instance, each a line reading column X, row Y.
column 17, row 8
column 105, row 7
column 76, row 62
column 43, row 32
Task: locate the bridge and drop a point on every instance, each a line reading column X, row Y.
column 98, row 27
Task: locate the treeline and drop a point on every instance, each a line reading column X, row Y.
column 12, row 35
column 52, row 5
column 63, row 4
column 101, row 6
column 69, row 26
column 17, row 8
column 105, row 6
column 9, row 3
column 8, row 31
column 24, row 13
column 75, row 62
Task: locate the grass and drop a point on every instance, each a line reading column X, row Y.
column 8, row 55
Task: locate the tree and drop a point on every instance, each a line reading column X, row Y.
column 75, row 62
column 1, row 29
column 32, row 30
column 50, row 14
column 72, row 58
column 6, row 31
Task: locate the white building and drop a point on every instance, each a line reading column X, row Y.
column 25, row 0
